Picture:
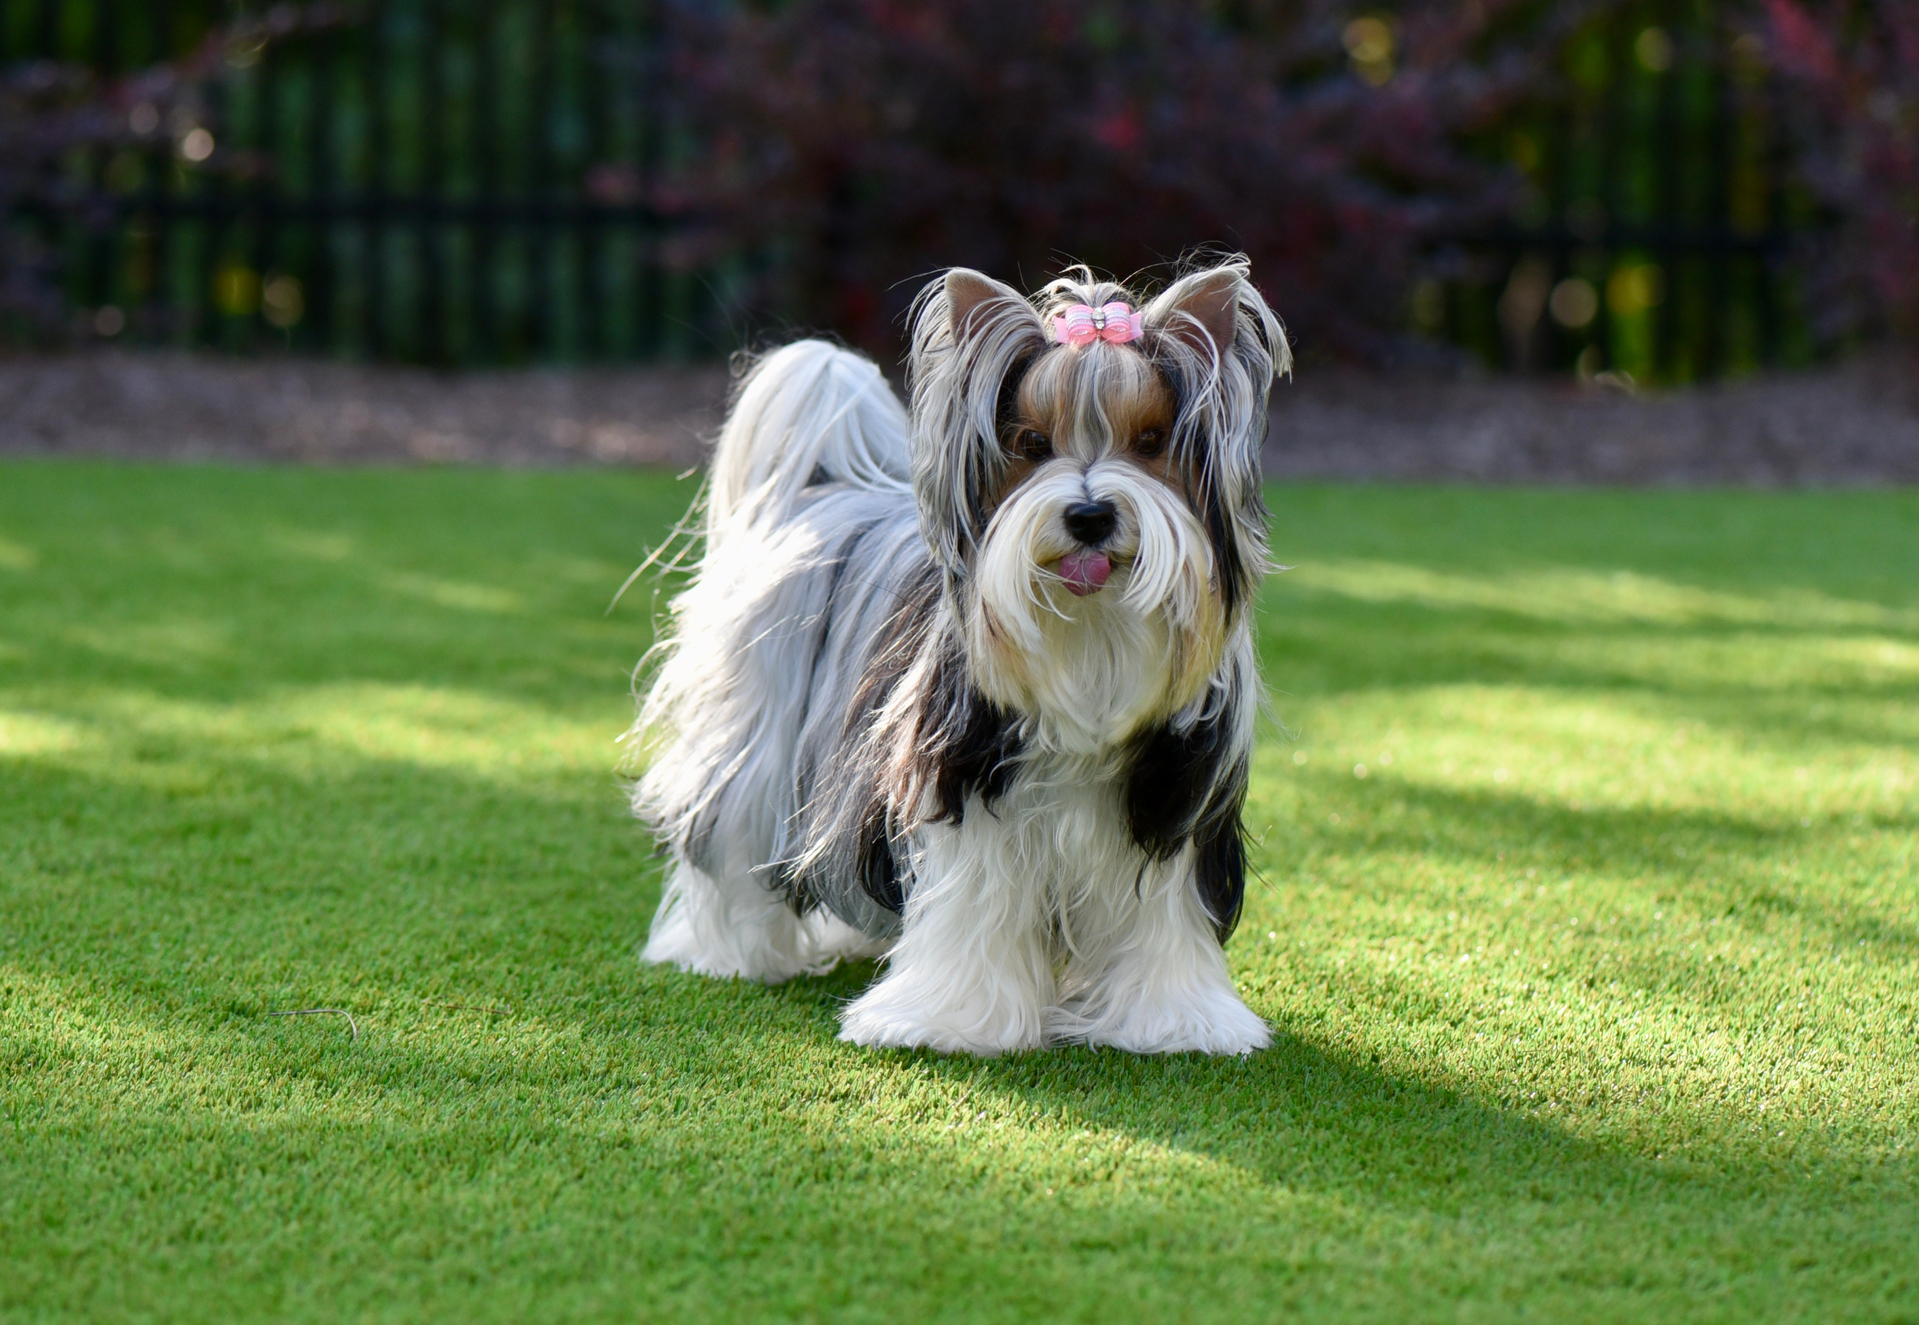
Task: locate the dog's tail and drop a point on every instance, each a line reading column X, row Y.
column 808, row 413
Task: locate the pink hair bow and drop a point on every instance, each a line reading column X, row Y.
column 1081, row 324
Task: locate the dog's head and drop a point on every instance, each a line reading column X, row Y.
column 1088, row 479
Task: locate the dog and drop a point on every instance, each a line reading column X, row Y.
column 972, row 688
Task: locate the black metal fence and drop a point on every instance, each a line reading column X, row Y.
column 460, row 182
column 1659, row 225
column 437, row 181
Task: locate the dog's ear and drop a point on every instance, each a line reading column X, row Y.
column 1202, row 309
column 974, row 300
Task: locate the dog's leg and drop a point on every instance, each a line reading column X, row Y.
column 1148, row 973
column 833, row 940
column 730, row 924
column 971, row 972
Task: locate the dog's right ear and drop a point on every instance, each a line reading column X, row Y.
column 975, row 301
column 1202, row 309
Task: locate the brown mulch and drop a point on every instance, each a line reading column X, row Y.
column 1857, row 423
column 181, row 407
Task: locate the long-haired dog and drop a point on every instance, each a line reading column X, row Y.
column 973, row 687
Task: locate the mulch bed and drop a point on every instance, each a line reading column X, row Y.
column 1857, row 423
column 180, row 407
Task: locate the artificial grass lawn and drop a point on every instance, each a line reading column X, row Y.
column 1594, row 997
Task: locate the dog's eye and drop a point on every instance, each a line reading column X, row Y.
column 1032, row 444
column 1150, row 442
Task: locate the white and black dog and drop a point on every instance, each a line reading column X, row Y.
column 974, row 687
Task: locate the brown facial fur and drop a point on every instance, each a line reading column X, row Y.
column 1089, row 402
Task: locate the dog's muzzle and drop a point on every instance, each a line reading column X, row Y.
column 1090, row 523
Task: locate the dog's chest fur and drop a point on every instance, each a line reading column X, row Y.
column 1057, row 835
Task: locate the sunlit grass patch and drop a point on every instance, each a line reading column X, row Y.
column 23, row 734
column 1570, row 595
column 1587, row 920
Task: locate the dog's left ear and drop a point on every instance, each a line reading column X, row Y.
column 1201, row 309
column 974, row 300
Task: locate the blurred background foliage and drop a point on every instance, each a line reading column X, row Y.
column 1671, row 189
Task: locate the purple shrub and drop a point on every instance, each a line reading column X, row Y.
column 1853, row 71
column 57, row 122
column 860, row 141
column 63, row 129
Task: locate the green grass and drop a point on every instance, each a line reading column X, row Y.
column 1595, row 997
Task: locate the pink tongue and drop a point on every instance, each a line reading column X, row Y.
column 1085, row 572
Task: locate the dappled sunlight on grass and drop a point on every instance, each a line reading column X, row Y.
column 1656, row 883
column 25, row 734
column 166, row 643
column 16, row 556
column 315, row 730
column 1578, row 748
column 1573, row 595
column 481, row 734
column 1587, row 921
column 463, row 595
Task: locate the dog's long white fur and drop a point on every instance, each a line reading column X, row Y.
column 814, row 448
column 1032, row 917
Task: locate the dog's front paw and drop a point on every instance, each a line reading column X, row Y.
column 1208, row 1022
column 884, row 1018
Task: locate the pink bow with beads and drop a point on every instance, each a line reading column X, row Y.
column 1082, row 324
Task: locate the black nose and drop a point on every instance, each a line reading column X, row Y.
column 1090, row 521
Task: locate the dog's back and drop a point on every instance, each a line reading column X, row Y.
column 810, row 477
column 806, row 415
